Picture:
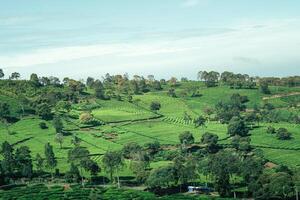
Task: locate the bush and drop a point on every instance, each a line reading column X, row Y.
column 154, row 106
column 283, row 134
column 43, row 125
column 271, row 130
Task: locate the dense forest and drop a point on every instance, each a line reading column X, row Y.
column 224, row 135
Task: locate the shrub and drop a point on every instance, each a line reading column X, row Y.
column 283, row 134
column 154, row 106
column 271, row 130
column 43, row 125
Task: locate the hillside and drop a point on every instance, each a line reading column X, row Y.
column 107, row 117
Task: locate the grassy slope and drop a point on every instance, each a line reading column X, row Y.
column 165, row 130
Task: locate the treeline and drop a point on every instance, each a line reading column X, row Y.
column 238, row 81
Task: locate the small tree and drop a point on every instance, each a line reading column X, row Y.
column 59, row 138
column 171, row 93
column 39, row 162
column 155, row 106
column 283, row 134
column 75, row 140
column 237, row 126
column 152, row 147
column 14, row 75
column 211, row 140
column 130, row 149
column 186, row 138
column 44, row 111
column 57, row 123
column 161, row 177
column 271, row 130
column 199, row 121
column 264, row 88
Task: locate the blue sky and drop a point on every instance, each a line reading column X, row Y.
column 162, row 37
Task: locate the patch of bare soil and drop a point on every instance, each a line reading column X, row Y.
column 281, row 95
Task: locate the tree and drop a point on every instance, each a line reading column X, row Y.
column 264, row 88
column 14, row 75
column 186, row 138
column 186, row 117
column 75, row 140
column 161, row 177
column 210, row 78
column 211, row 142
column 112, row 162
column 237, row 126
column 34, row 79
column 139, row 163
column 8, row 162
column 251, row 168
column 171, row 93
column 4, row 114
column 199, row 121
column 232, row 107
column 241, row 143
column 273, row 186
column 57, row 124
column 152, row 147
column 39, row 162
column 44, row 111
column 79, row 156
column 155, row 106
column 271, row 130
column 50, row 159
column 73, row 174
column 222, row 166
column 24, row 161
column 1, row 73
column 4, row 110
column 91, row 166
column 130, row 149
column 184, row 169
column 283, row 134
column 59, row 138
column 208, row 111
column 99, row 90
column 157, row 85
column 90, row 81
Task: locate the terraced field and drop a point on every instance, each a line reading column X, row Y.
column 117, row 111
column 135, row 122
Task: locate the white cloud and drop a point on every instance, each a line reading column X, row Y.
column 252, row 47
column 190, row 3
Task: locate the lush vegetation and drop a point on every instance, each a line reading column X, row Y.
column 229, row 134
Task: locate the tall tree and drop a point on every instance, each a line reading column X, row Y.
column 8, row 162
column 39, row 162
column 24, row 161
column 57, row 123
column 112, row 162
column 34, row 80
column 50, row 159
column 1, row 73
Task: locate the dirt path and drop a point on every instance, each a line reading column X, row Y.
column 281, row 95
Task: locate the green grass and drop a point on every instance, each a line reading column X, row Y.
column 165, row 133
column 286, row 152
column 116, row 111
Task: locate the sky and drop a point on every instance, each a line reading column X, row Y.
column 161, row 37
